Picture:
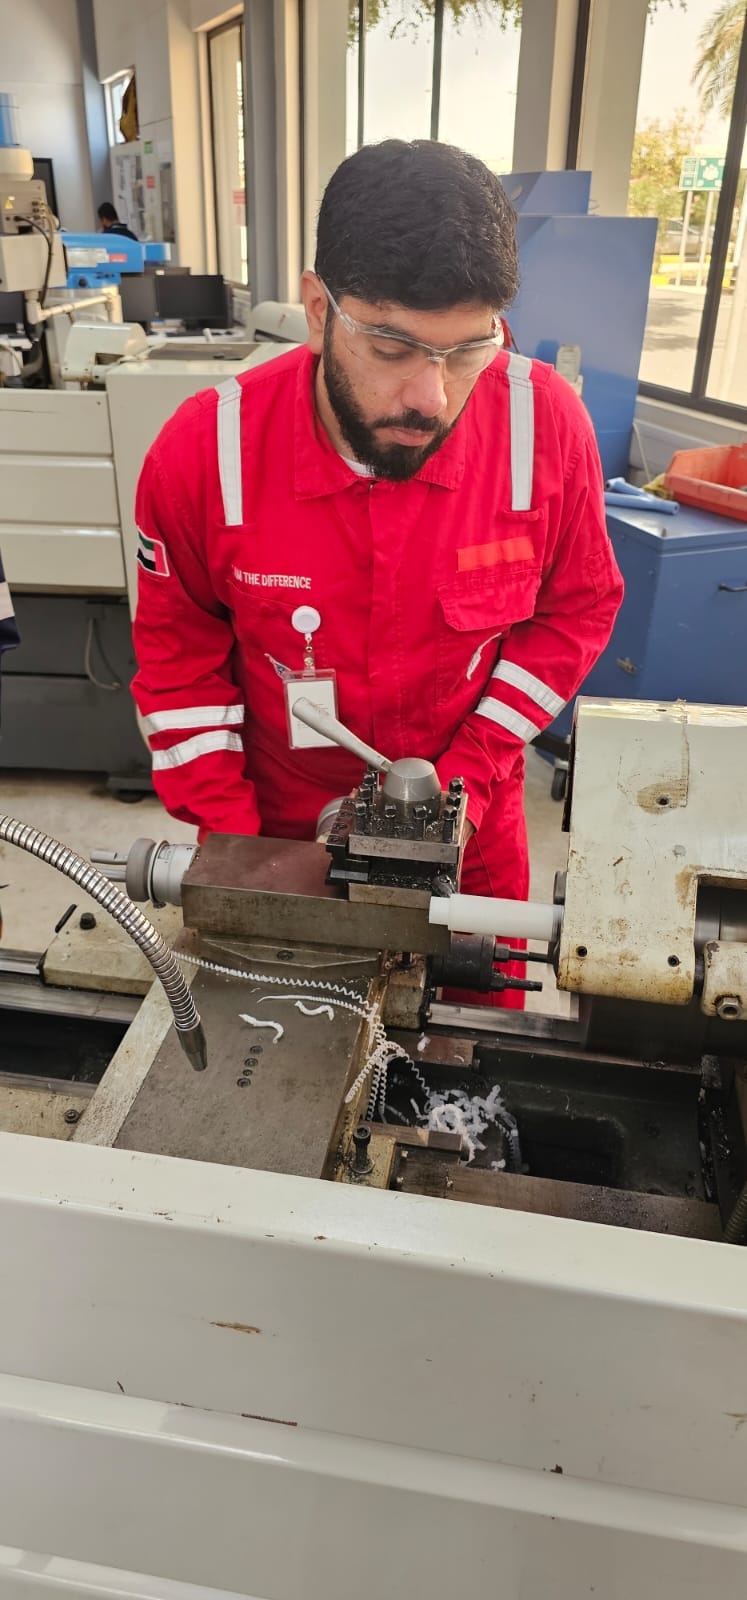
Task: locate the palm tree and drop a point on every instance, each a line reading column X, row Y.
column 719, row 44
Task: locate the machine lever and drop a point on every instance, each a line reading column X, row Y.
column 321, row 721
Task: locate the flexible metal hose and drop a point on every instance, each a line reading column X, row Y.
column 736, row 1227
column 129, row 917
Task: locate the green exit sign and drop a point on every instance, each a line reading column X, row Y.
column 702, row 172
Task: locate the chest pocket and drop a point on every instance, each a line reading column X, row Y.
column 264, row 629
column 477, row 611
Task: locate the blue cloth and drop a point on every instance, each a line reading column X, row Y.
column 641, row 502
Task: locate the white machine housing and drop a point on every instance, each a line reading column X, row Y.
column 91, row 347
column 645, row 833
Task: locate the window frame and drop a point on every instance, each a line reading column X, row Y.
column 696, row 397
column 113, row 135
column 235, row 23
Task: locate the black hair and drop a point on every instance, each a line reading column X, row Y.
column 423, row 225
column 106, row 212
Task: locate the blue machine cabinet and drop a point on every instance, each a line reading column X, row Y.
column 584, row 281
column 681, row 633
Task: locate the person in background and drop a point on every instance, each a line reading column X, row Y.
column 110, row 222
column 402, row 510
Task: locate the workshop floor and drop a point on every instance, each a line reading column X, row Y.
column 78, row 810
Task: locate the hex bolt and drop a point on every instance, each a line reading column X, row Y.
column 72, row 1114
column 456, row 788
column 420, row 821
column 390, row 818
column 729, row 1007
column 362, row 1163
column 87, row 921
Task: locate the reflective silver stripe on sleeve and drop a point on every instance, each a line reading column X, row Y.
column 507, row 718
column 6, row 604
column 193, row 717
column 521, row 393
column 541, row 693
column 229, row 449
column 203, row 744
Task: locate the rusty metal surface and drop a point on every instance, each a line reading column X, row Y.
column 657, row 810
column 438, row 1049
column 247, row 888
column 405, row 995
column 259, row 1104
column 424, row 1173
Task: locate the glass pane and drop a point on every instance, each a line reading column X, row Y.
column 114, row 96
column 479, row 74
column 684, row 104
column 399, row 69
column 727, row 379
column 226, row 95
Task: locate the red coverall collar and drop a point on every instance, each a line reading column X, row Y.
column 319, row 470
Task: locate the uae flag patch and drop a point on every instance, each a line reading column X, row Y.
column 151, row 555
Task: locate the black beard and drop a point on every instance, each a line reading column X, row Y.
column 394, row 461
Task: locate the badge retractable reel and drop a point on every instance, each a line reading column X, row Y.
column 312, row 683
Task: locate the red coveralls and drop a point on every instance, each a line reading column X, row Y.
column 460, row 609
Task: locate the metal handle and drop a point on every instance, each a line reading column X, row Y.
column 320, row 720
column 734, row 588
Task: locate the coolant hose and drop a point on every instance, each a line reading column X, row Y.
column 129, row 917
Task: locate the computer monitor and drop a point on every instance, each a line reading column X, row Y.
column 139, row 299
column 12, row 313
column 199, row 300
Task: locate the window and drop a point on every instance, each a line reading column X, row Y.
column 689, row 171
column 479, row 75
column 447, row 69
column 226, row 76
column 114, row 89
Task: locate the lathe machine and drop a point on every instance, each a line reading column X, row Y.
column 336, row 1056
column 385, row 1389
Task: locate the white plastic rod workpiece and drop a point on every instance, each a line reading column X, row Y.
column 504, row 919
column 320, row 720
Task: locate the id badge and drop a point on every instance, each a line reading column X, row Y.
column 321, row 689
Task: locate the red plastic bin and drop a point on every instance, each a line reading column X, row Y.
column 714, row 479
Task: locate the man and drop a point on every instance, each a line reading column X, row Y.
column 110, row 222
column 401, row 504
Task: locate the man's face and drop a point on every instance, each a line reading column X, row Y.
column 394, row 422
